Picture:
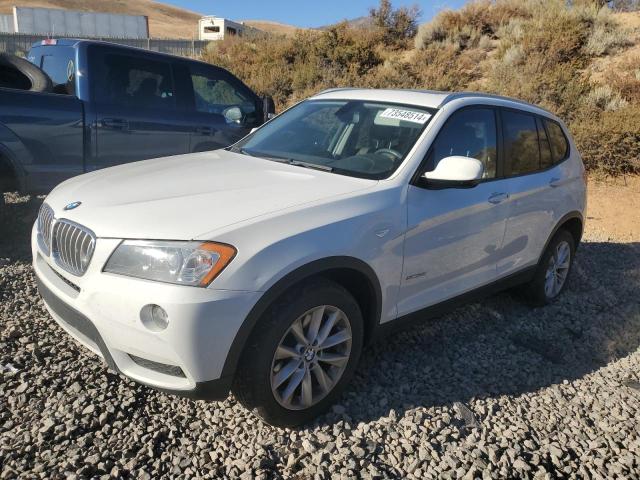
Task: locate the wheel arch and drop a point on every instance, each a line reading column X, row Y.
column 8, row 168
column 355, row 275
column 573, row 222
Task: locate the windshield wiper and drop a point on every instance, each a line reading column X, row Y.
column 289, row 161
column 315, row 166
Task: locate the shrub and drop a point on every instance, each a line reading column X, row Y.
column 603, row 97
column 610, row 141
column 397, row 25
column 606, row 35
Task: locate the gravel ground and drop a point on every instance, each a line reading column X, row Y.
column 492, row 390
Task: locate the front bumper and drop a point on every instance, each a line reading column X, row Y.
column 102, row 312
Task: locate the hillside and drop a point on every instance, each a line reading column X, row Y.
column 581, row 62
column 273, row 27
column 165, row 21
column 360, row 22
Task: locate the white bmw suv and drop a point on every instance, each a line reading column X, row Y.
column 265, row 268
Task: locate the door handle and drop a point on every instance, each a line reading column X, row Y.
column 555, row 182
column 115, row 123
column 498, row 197
column 204, row 130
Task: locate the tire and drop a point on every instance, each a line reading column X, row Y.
column 537, row 291
column 260, row 369
column 16, row 72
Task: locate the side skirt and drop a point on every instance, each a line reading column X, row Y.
column 439, row 309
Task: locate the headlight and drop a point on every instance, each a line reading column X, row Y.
column 183, row 263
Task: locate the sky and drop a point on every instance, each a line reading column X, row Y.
column 303, row 13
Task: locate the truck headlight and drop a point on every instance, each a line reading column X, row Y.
column 182, row 263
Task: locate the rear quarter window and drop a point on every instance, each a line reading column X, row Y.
column 558, row 141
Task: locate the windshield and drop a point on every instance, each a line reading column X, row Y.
column 358, row 138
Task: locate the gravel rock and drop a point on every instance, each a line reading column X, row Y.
column 492, row 390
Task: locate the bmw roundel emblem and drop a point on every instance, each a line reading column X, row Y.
column 72, row 205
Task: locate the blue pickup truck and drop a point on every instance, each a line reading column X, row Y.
column 108, row 104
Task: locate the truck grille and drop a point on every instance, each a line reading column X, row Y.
column 45, row 222
column 72, row 246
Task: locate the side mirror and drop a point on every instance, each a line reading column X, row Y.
column 269, row 108
column 233, row 114
column 454, row 172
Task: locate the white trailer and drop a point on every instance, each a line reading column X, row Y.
column 217, row 28
column 57, row 22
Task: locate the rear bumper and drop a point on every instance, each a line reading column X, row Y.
column 81, row 328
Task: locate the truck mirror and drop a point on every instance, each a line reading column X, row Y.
column 268, row 107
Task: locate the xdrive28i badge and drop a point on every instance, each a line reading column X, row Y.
column 72, row 205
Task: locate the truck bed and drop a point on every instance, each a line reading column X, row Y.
column 43, row 136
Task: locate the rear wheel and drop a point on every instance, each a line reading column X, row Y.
column 553, row 270
column 302, row 354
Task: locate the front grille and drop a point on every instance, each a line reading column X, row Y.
column 45, row 222
column 72, row 246
column 172, row 370
column 67, row 281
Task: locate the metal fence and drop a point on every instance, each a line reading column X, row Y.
column 20, row 44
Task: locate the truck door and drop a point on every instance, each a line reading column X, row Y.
column 221, row 109
column 135, row 104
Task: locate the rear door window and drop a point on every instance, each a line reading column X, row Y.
column 522, row 151
column 136, row 82
column 559, row 144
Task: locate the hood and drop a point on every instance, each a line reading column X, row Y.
column 185, row 196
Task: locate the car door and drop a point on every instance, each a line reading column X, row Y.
column 455, row 236
column 136, row 113
column 535, row 198
column 221, row 108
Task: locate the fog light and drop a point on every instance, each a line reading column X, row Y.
column 154, row 317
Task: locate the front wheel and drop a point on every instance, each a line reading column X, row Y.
column 553, row 270
column 301, row 355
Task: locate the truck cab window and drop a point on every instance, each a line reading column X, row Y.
column 216, row 94
column 136, row 82
column 59, row 64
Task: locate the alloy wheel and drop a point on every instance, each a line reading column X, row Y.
column 311, row 357
column 557, row 269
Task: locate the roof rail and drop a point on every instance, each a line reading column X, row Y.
column 339, row 89
column 457, row 95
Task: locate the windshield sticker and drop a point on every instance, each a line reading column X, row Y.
column 406, row 115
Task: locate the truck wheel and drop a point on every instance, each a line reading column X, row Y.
column 301, row 355
column 16, row 72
